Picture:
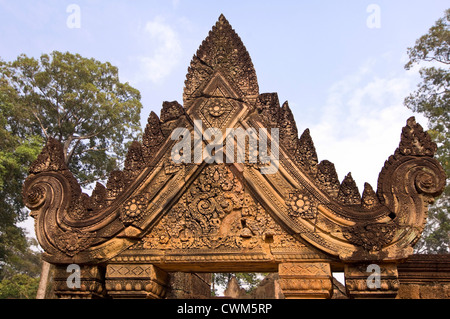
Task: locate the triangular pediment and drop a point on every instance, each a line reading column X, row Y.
column 218, row 218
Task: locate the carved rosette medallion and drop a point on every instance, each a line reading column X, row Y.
column 301, row 206
column 133, row 210
column 216, row 112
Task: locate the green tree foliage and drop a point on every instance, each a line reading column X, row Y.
column 432, row 99
column 76, row 100
column 81, row 103
column 20, row 286
column 17, row 151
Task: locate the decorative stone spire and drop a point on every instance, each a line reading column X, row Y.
column 306, row 152
column 288, row 129
column 51, row 158
column 369, row 198
column 328, row 178
column 153, row 137
column 171, row 111
column 348, row 191
column 269, row 107
column 222, row 51
column 134, row 162
column 98, row 196
column 415, row 142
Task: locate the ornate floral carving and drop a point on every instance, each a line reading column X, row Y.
column 171, row 112
column 98, row 196
column 81, row 208
column 116, row 184
column 222, row 50
column 288, row 129
column 133, row 209
column 135, row 162
column 301, row 206
column 268, row 106
column 216, row 111
column 370, row 236
column 74, row 241
column 153, row 137
column 215, row 212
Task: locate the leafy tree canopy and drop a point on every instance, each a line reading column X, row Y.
column 81, row 103
column 19, row 287
column 432, row 99
column 76, row 100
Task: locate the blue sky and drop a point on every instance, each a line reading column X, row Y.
column 343, row 80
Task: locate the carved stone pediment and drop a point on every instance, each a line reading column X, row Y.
column 196, row 215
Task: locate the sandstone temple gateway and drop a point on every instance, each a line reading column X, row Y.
column 156, row 223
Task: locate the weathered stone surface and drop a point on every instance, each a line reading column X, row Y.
column 425, row 277
column 189, row 286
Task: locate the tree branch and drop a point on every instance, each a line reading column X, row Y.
column 40, row 124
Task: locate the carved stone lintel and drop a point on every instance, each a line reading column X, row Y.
column 306, row 280
column 136, row 281
column 371, row 281
column 89, row 286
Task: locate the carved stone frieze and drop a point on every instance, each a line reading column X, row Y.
column 215, row 213
column 135, row 281
column 306, row 280
column 85, row 282
column 371, row 236
column 375, row 280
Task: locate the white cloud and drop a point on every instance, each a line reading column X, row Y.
column 164, row 51
column 362, row 119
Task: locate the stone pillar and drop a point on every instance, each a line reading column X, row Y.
column 78, row 282
column 306, row 280
column 136, row 281
column 371, row 280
